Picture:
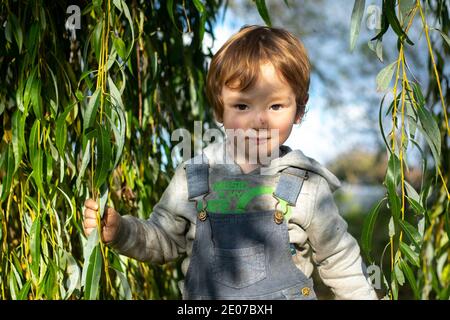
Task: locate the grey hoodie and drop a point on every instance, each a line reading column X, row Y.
column 315, row 226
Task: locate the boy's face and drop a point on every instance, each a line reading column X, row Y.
column 267, row 108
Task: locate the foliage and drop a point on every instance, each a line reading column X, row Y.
column 418, row 219
column 86, row 113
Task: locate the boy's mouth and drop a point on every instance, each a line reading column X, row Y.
column 257, row 140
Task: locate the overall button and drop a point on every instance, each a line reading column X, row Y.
column 278, row 217
column 202, row 215
column 306, row 291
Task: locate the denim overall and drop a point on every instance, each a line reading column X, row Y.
column 244, row 255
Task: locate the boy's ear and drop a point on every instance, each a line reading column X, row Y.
column 298, row 116
column 301, row 110
column 306, row 99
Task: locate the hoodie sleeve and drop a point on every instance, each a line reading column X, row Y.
column 161, row 238
column 335, row 252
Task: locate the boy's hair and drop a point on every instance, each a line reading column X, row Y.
column 240, row 59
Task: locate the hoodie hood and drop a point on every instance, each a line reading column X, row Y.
column 215, row 152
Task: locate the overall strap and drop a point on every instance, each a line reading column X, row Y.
column 197, row 174
column 290, row 184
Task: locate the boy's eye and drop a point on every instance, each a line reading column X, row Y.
column 241, row 107
column 276, row 106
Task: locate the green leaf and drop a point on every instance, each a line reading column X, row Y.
column 263, row 12
column 32, row 202
column 8, row 31
column 384, row 24
column 411, row 192
column 446, row 219
column 79, row 95
column 96, row 39
column 355, row 24
column 74, row 275
column 55, row 85
column 391, row 182
column 20, row 95
column 411, row 232
column 13, row 283
column 92, row 242
column 103, row 165
column 380, row 123
column 84, row 164
column 36, row 99
column 391, row 227
column 412, row 119
column 118, row 4
column 394, row 285
column 368, row 227
column 126, row 11
column 445, row 37
column 35, row 246
column 72, row 209
column 384, row 77
column 201, row 10
column 61, row 130
column 119, row 136
column 120, row 47
column 28, row 90
column 410, row 276
column 389, row 6
column 93, row 274
column 50, row 281
column 48, row 167
column 36, row 156
column 416, row 206
column 399, row 275
column 377, row 48
column 32, row 43
column 412, row 256
column 125, row 290
column 119, row 108
column 169, row 6
column 23, row 294
column 428, row 125
column 104, row 191
column 18, row 137
column 406, row 7
column 6, row 184
column 91, row 110
column 115, row 94
column 17, row 30
column 414, row 198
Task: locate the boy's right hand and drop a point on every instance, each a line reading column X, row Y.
column 110, row 222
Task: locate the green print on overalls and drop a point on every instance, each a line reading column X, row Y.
column 239, row 192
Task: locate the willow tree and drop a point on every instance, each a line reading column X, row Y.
column 85, row 110
column 417, row 254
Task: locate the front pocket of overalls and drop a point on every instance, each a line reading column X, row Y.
column 239, row 268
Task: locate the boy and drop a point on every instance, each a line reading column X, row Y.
column 251, row 230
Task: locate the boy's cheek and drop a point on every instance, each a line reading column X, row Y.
column 234, row 121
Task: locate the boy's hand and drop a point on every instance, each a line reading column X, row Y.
column 110, row 222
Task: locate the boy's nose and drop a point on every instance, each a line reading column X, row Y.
column 260, row 121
